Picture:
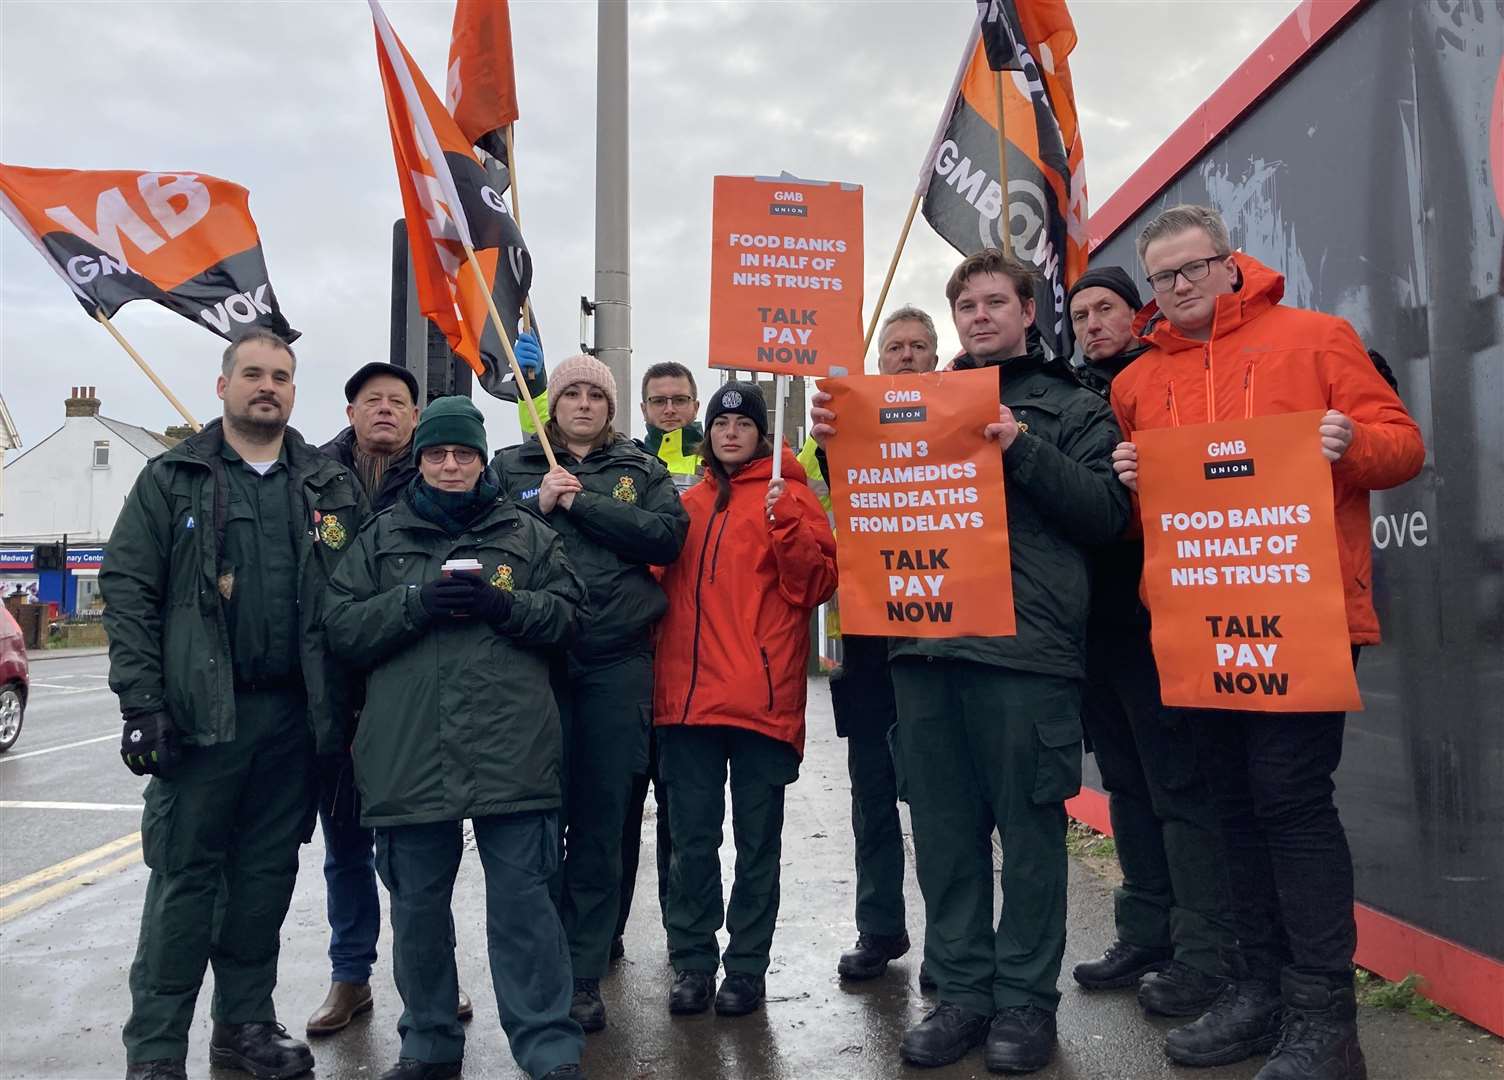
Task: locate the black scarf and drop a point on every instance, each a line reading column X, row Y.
column 453, row 511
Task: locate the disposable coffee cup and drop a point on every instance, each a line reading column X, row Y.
column 454, row 566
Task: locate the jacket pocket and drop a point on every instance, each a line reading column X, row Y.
column 157, row 816
column 767, row 675
column 1057, row 770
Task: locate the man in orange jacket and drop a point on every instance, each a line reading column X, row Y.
column 1223, row 347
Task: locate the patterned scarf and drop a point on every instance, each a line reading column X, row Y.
column 453, row 511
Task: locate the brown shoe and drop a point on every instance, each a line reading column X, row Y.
column 467, row 1010
column 345, row 1002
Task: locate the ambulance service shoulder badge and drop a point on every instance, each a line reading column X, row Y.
column 625, row 490
column 332, row 532
column 502, row 579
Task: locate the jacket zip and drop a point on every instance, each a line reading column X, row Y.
column 694, row 655
column 1248, row 390
column 1170, row 404
column 767, row 674
column 715, row 560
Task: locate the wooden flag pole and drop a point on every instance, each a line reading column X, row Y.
column 780, row 391
column 1005, row 226
column 506, row 345
column 150, row 374
column 887, row 281
column 527, row 307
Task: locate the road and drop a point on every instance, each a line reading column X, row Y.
column 71, row 883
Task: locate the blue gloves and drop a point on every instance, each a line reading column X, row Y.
column 529, row 354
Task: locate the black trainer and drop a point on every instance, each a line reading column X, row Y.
column 869, row 957
column 1319, row 1036
column 945, row 1035
column 1120, row 966
column 1243, row 1021
column 1179, row 990
column 692, row 992
column 158, row 1069
column 740, row 994
column 586, row 1008
column 1021, row 1039
column 413, row 1069
column 264, row 1050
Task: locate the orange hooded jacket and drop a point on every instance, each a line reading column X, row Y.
column 1264, row 359
column 734, row 646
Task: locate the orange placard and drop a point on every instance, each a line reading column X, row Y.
column 921, row 522
column 786, row 276
column 1240, row 567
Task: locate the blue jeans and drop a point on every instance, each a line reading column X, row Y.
column 353, row 906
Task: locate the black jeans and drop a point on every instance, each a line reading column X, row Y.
column 1290, row 872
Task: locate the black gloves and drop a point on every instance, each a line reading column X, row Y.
column 149, row 744
column 466, row 594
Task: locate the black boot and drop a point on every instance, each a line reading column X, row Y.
column 413, row 1069
column 1319, row 1037
column 869, row 957
column 1179, row 990
column 1121, row 965
column 264, row 1050
column 1243, row 1021
column 159, row 1069
column 945, row 1034
column 587, row 1009
column 692, row 992
column 740, row 994
column 1021, row 1040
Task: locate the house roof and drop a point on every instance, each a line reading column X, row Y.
column 148, row 442
column 10, row 436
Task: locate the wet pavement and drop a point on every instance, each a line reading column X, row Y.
column 71, row 884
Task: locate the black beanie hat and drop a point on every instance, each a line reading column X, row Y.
column 1114, row 278
column 744, row 399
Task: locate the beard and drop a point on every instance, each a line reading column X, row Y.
column 254, row 427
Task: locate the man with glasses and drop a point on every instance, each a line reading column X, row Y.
column 1171, row 912
column 670, row 404
column 1226, row 348
column 382, row 409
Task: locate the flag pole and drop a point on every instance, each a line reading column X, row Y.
column 887, row 281
column 150, row 374
column 780, row 391
column 527, row 307
column 1005, row 226
column 506, row 345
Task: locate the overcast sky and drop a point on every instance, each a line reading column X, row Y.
column 284, row 98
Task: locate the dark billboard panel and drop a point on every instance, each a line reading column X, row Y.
column 1371, row 178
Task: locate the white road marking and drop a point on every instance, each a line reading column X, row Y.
column 15, row 804
column 54, row 749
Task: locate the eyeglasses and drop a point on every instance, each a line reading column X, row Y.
column 679, row 401
column 463, row 455
column 1194, row 270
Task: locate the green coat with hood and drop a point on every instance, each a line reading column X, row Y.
column 629, row 517
column 169, row 640
column 460, row 720
column 1062, row 500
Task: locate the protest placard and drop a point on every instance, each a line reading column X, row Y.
column 786, row 276
column 917, row 490
column 1240, row 567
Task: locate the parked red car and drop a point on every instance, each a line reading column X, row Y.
column 13, row 680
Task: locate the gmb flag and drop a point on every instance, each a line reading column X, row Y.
column 451, row 203
column 481, row 86
column 184, row 240
column 1046, row 180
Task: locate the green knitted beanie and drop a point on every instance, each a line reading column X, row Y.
column 450, row 421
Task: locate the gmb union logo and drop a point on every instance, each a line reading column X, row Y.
column 1226, row 465
column 731, row 399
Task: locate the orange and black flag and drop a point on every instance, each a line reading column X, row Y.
column 184, row 240
column 452, row 202
column 1031, row 40
column 481, row 88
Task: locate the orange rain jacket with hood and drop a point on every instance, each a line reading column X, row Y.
column 1264, row 359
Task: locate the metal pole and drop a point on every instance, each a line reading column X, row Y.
column 613, row 294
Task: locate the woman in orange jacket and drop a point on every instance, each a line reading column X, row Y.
column 729, row 691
